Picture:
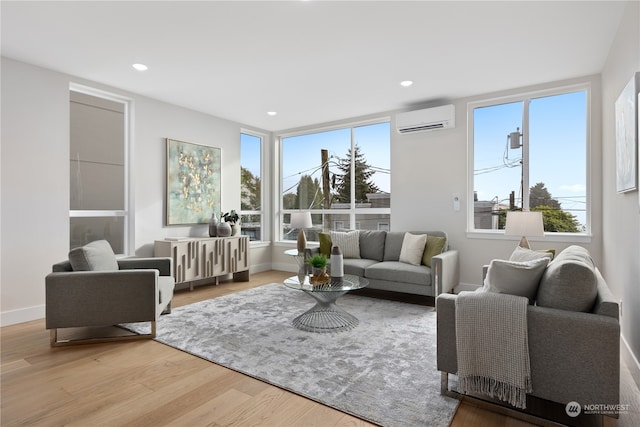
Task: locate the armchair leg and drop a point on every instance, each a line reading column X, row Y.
column 167, row 309
column 55, row 340
column 444, row 386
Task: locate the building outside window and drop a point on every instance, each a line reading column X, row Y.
column 341, row 175
column 529, row 152
column 251, row 185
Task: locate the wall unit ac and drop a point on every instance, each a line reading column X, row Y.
column 428, row 119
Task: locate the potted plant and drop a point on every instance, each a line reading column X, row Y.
column 233, row 219
column 319, row 264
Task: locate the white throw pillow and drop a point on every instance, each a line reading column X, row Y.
column 412, row 248
column 524, row 254
column 515, row 278
column 348, row 242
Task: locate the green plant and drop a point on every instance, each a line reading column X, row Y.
column 231, row 217
column 318, row 261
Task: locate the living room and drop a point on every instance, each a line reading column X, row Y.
column 35, row 176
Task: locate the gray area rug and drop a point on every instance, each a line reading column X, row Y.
column 383, row 371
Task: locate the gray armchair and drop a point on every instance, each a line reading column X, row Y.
column 94, row 289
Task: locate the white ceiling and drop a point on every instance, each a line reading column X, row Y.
column 311, row 61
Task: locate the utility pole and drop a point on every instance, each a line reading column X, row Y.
column 326, row 192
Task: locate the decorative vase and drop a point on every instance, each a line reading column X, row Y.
column 235, row 229
column 223, row 229
column 213, row 226
column 337, row 263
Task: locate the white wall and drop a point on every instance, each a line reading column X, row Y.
column 35, row 185
column 34, row 171
column 621, row 212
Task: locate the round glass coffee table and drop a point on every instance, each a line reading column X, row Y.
column 326, row 316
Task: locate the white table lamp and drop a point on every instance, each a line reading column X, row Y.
column 524, row 224
column 301, row 220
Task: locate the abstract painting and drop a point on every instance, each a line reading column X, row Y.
column 193, row 182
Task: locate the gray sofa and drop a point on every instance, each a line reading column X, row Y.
column 379, row 263
column 573, row 335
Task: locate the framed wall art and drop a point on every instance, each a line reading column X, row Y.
column 626, row 110
column 193, row 183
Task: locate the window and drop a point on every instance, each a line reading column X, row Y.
column 99, row 196
column 341, row 175
column 251, row 185
column 530, row 153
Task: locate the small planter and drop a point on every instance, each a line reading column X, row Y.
column 320, row 276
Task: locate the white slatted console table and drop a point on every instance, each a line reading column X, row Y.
column 200, row 258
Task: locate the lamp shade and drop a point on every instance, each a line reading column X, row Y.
column 524, row 224
column 301, row 220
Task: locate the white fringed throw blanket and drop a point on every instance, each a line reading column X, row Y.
column 492, row 346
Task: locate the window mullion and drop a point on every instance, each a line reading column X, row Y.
column 525, row 155
column 352, row 207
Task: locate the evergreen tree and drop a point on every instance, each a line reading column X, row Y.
column 289, row 201
column 540, row 196
column 363, row 174
column 557, row 220
column 250, row 190
column 553, row 217
column 308, row 195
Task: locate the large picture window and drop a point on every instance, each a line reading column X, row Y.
column 530, row 153
column 341, row 175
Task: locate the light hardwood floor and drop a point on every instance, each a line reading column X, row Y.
column 145, row 383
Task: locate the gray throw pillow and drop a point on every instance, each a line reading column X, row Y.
column 570, row 281
column 393, row 245
column 372, row 244
column 515, row 278
column 94, row 256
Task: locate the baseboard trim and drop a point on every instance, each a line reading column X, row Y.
column 630, row 360
column 22, row 315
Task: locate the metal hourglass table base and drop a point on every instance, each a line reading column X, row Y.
column 326, row 316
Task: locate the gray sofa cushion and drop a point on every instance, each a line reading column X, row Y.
column 395, row 271
column 94, row 256
column 357, row 266
column 372, row 244
column 393, row 245
column 569, row 282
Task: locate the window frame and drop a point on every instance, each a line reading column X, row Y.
column 353, row 210
column 264, row 232
column 128, row 213
column 524, row 97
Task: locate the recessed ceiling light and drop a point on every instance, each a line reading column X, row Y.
column 271, row 113
column 140, row 67
column 406, row 83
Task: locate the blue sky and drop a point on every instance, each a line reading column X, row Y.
column 301, row 154
column 557, row 150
